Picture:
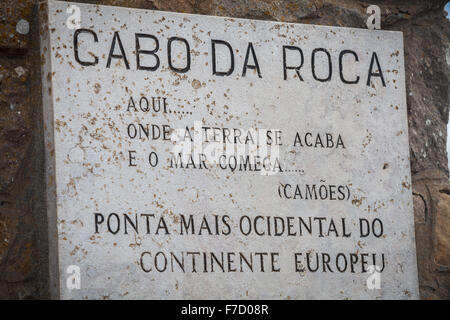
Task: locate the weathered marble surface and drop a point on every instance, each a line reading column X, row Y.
column 88, row 162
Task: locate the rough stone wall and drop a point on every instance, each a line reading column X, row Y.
column 23, row 228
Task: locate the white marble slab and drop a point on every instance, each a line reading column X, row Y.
column 338, row 140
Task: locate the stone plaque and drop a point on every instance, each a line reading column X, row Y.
column 199, row 157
